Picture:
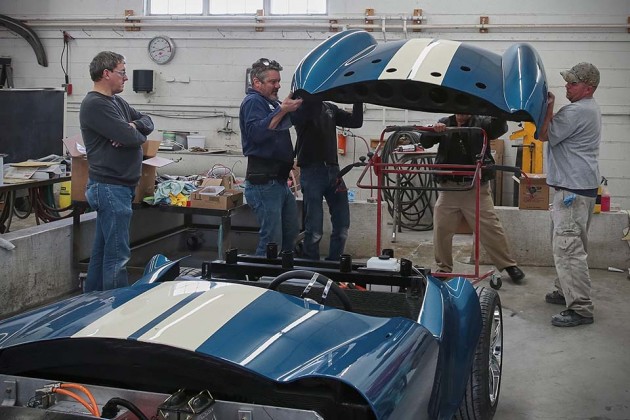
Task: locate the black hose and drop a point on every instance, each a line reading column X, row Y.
column 110, row 408
column 414, row 202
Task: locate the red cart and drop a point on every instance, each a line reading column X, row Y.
column 400, row 168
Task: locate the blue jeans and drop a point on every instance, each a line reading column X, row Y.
column 274, row 205
column 319, row 182
column 110, row 250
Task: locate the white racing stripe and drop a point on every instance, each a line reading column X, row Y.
column 199, row 320
column 404, row 59
column 441, row 52
column 410, row 60
column 195, row 321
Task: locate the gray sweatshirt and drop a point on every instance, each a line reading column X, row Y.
column 574, row 135
column 105, row 120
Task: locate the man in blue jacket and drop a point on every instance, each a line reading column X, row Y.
column 113, row 133
column 266, row 142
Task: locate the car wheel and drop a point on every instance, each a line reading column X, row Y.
column 484, row 384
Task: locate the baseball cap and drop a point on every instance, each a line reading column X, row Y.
column 582, row 72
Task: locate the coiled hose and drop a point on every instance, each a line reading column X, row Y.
column 416, row 194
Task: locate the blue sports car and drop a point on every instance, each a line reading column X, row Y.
column 213, row 346
column 432, row 75
column 255, row 338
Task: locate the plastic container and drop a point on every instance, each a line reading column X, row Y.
column 385, row 264
column 65, row 194
column 605, row 201
column 196, row 141
column 212, row 190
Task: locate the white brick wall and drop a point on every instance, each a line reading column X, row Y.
column 205, row 82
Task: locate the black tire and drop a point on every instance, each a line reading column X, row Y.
column 484, row 384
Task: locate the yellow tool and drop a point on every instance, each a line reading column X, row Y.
column 532, row 148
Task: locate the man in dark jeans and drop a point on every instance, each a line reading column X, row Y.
column 316, row 148
column 462, row 148
column 267, row 144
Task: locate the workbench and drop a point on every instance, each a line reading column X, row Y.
column 150, row 227
column 8, row 194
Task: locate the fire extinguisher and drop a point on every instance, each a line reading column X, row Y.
column 341, row 144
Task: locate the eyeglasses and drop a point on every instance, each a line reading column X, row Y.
column 272, row 64
column 121, row 72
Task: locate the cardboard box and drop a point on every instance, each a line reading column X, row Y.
column 227, row 200
column 225, row 181
column 533, row 192
column 146, row 185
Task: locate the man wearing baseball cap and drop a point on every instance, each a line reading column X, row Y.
column 573, row 134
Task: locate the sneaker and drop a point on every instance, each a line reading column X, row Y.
column 515, row 273
column 570, row 318
column 556, row 298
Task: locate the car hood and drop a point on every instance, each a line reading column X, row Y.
column 431, row 75
column 278, row 336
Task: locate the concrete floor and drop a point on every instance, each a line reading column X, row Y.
column 552, row 373
column 549, row 373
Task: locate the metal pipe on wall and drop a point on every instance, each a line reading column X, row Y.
column 299, row 24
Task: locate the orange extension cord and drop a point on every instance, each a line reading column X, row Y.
column 92, row 407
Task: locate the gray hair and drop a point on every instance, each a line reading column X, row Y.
column 260, row 68
column 105, row 60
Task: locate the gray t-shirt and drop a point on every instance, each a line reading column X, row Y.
column 574, row 135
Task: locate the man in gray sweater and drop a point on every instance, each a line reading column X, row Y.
column 113, row 133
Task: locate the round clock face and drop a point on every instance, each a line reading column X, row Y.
column 161, row 49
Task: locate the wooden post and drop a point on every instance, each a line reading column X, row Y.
column 259, row 14
column 129, row 12
column 417, row 19
column 484, row 20
column 369, row 12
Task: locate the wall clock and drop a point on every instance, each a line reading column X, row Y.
column 161, row 49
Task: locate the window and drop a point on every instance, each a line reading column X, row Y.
column 236, row 7
column 175, row 7
column 298, row 7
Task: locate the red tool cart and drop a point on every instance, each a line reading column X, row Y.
column 384, row 170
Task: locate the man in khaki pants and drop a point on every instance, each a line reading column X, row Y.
column 573, row 135
column 461, row 148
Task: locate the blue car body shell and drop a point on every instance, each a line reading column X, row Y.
column 431, row 75
column 404, row 369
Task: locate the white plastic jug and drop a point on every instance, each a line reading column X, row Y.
column 196, row 141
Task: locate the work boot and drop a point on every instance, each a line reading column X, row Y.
column 570, row 318
column 556, row 298
column 515, row 273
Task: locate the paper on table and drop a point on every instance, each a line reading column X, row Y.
column 33, row 164
column 17, row 172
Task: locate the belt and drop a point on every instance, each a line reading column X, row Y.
column 259, row 179
column 311, row 165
